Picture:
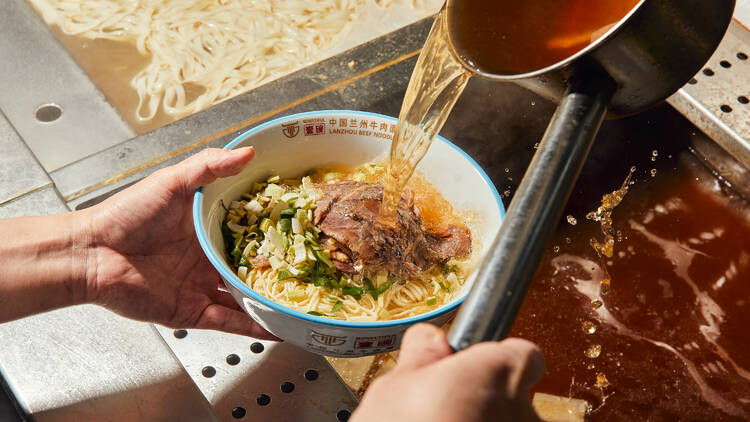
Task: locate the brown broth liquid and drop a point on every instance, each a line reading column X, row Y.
column 499, row 37
column 669, row 340
column 514, row 37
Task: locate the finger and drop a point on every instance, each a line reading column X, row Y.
column 226, row 299
column 207, row 166
column 422, row 345
column 217, row 317
column 515, row 363
column 530, row 362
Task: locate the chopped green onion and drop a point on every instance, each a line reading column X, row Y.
column 449, row 269
column 316, row 313
column 445, row 287
column 265, row 224
column 285, row 225
column 319, row 254
column 244, row 262
column 257, row 187
column 353, row 291
column 431, row 301
column 274, row 179
column 337, row 306
column 296, row 295
column 377, row 291
column 288, row 213
column 283, row 275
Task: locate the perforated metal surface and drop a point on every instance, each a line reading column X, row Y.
column 249, row 379
column 717, row 98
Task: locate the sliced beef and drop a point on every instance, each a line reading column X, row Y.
column 340, row 255
column 348, row 214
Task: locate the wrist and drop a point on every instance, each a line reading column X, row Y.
column 46, row 263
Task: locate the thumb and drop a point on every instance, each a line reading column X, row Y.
column 422, row 345
column 207, row 166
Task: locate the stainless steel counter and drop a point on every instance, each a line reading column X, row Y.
column 85, row 363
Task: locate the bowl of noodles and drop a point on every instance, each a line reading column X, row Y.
column 300, row 241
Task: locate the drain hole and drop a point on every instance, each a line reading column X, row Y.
column 743, row 99
column 238, row 412
column 263, row 399
column 287, row 387
column 233, row 359
column 180, row 333
column 311, row 375
column 725, row 64
column 208, row 371
column 708, row 72
column 343, row 415
column 257, row 347
column 742, row 56
column 693, row 81
column 726, row 109
column 47, row 113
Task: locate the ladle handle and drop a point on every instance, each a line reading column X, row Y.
column 491, row 306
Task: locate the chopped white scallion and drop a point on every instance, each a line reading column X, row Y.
column 296, row 226
column 254, row 207
column 276, row 211
column 249, row 248
column 276, row 263
column 274, row 191
column 235, row 205
column 235, row 227
column 275, row 237
column 242, row 273
column 300, row 253
column 292, row 270
column 289, row 196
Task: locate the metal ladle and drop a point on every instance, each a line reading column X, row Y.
column 643, row 59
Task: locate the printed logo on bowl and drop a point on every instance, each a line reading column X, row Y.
column 290, row 130
column 327, row 339
column 375, row 342
column 375, row 128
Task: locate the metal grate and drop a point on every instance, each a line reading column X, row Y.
column 248, row 379
column 716, row 99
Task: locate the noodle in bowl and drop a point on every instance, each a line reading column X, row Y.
column 292, row 145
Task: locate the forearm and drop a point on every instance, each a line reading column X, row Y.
column 43, row 263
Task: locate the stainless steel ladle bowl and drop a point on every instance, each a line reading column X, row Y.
column 648, row 55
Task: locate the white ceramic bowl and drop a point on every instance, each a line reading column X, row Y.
column 290, row 146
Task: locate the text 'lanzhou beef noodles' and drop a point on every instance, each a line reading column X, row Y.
column 318, row 245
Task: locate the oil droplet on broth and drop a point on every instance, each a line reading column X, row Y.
column 556, row 249
column 596, row 304
column 653, row 172
column 593, row 351
column 571, row 220
column 588, row 327
column 602, row 381
column 605, row 286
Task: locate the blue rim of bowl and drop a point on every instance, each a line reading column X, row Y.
column 244, row 288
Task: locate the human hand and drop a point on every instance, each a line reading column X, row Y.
column 486, row 382
column 144, row 260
